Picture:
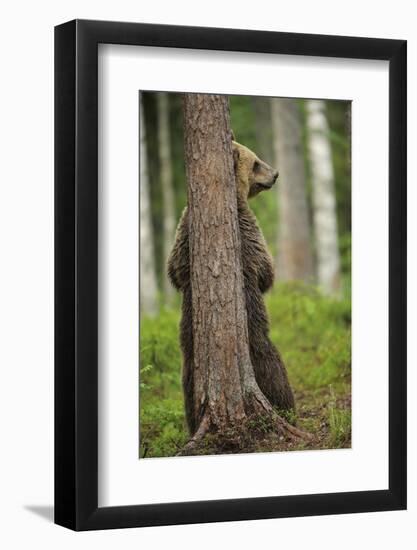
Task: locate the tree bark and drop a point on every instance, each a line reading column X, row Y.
column 294, row 258
column 323, row 198
column 148, row 287
column 225, row 389
column 168, row 199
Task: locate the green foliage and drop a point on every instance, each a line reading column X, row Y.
column 159, row 348
column 263, row 424
column 345, row 247
column 340, row 422
column 289, row 416
column 338, row 113
column 162, row 424
column 242, row 118
column 142, row 372
column 313, row 334
column 162, row 430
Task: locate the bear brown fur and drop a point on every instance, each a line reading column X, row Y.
column 252, row 176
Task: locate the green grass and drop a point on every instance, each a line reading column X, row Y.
column 340, row 423
column 313, row 334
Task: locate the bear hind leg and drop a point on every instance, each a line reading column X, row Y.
column 271, row 377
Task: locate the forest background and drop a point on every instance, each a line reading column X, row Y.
column 306, row 221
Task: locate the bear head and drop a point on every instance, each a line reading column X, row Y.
column 253, row 175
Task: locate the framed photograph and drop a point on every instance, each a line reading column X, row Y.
column 230, row 275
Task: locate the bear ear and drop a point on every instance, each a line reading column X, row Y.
column 233, row 135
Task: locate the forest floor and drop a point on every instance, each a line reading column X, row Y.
column 313, row 335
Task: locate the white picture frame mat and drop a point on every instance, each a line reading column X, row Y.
column 123, row 478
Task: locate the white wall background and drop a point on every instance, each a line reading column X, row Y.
column 26, row 275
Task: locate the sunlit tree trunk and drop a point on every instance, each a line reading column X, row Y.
column 168, row 198
column 224, row 385
column 148, row 286
column 294, row 258
column 323, row 197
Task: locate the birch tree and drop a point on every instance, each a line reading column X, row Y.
column 323, row 197
column 148, row 286
column 168, row 199
column 294, row 258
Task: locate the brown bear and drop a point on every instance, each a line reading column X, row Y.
column 252, row 176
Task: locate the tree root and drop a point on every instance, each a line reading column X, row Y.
column 232, row 439
column 292, row 431
column 191, row 446
column 258, row 405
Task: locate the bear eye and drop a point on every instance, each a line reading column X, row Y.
column 256, row 166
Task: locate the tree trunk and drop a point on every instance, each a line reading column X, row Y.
column 168, row 199
column 225, row 390
column 148, row 287
column 294, row 258
column 324, row 200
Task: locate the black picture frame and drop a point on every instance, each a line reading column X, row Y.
column 76, row 272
